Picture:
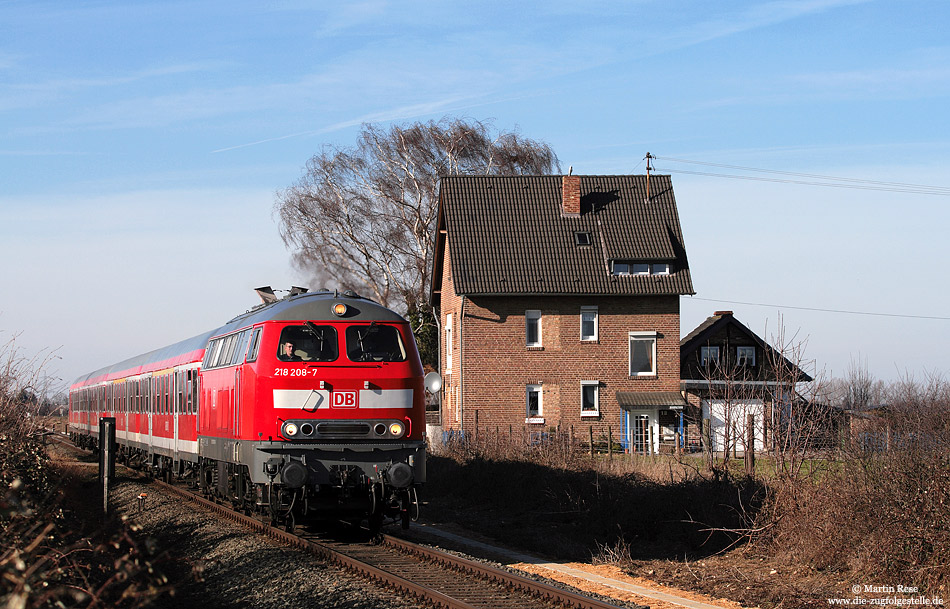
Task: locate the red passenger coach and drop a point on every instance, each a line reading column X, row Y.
column 311, row 405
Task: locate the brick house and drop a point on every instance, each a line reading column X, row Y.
column 558, row 303
column 730, row 374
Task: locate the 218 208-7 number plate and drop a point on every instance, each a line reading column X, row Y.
column 295, row 372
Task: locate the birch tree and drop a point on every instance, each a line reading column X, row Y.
column 362, row 218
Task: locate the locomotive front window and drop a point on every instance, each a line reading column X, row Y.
column 374, row 343
column 308, row 343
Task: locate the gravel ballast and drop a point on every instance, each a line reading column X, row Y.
column 213, row 562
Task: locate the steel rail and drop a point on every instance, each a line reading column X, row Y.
column 534, row 588
column 530, row 586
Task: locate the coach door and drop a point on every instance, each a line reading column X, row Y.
column 175, row 390
column 149, row 409
column 236, row 403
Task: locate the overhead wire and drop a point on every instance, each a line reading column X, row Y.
column 828, row 181
column 822, row 310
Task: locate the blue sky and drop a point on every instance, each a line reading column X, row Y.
column 141, row 145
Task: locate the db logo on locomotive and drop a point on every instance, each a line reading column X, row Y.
column 343, row 399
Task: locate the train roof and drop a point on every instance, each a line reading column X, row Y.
column 303, row 306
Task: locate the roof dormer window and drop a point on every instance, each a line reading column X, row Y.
column 629, row 267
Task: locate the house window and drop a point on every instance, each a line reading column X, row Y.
column 708, row 356
column 590, row 398
column 581, row 238
column 589, row 323
column 745, row 356
column 628, row 267
column 532, row 326
column 643, row 354
column 448, row 342
column 533, row 402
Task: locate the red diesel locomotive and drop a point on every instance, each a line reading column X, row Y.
column 312, row 405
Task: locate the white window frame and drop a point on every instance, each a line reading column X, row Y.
column 448, row 342
column 709, row 354
column 596, row 335
column 539, row 416
column 639, row 268
column 749, row 361
column 529, row 316
column 596, row 386
column 660, row 268
column 642, row 336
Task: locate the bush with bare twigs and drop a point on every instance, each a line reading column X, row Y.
column 45, row 560
column 882, row 507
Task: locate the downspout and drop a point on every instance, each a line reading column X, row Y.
column 461, row 381
column 437, row 315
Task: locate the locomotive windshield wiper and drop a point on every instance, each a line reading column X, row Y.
column 317, row 332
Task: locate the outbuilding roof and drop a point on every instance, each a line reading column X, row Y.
column 511, row 235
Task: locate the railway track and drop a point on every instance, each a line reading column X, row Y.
column 434, row 577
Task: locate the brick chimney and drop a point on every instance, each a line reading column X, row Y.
column 571, row 195
column 722, row 313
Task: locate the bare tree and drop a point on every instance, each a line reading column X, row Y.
column 363, row 218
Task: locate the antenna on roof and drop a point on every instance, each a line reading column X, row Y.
column 649, row 157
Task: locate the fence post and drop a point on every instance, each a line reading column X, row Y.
column 750, row 445
column 590, row 431
column 610, row 444
column 106, row 458
column 707, row 442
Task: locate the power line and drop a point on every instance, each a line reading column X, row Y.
column 820, row 310
column 829, row 181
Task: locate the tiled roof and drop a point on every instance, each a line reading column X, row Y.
column 714, row 324
column 507, row 235
column 632, row 400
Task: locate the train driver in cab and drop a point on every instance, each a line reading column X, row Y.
column 287, row 352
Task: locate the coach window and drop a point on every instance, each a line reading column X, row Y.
column 195, row 382
column 374, row 343
column 189, row 385
column 255, row 345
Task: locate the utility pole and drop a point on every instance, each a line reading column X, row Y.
column 649, row 157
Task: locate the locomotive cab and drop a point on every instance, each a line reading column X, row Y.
column 338, row 413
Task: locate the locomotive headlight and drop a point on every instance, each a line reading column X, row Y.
column 339, row 309
column 290, row 429
column 395, row 429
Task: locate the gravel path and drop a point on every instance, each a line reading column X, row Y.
column 215, row 563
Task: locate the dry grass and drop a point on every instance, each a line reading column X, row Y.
column 53, row 553
column 877, row 509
